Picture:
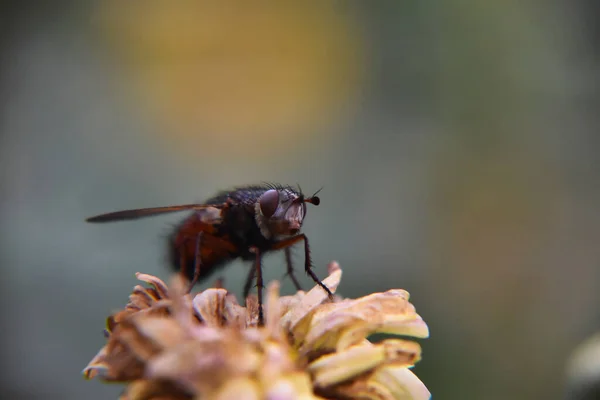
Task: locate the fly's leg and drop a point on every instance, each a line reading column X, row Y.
column 249, row 280
column 259, row 284
column 307, row 262
column 290, row 268
column 197, row 261
column 202, row 239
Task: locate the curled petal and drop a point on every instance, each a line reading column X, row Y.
column 161, row 289
column 141, row 298
column 296, row 318
column 210, row 306
column 386, row 383
column 402, row 383
column 336, row 326
column 335, row 368
column 96, row 367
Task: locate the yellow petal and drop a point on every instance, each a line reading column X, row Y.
column 385, row 383
column 238, row 389
column 287, row 303
column 324, row 335
column 336, row 326
column 272, row 311
column 403, row 353
column 338, row 367
column 299, row 314
column 276, row 360
column 401, row 382
column 296, row 386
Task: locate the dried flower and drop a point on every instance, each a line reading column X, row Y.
column 583, row 370
column 167, row 344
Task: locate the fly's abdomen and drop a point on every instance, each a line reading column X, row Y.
column 194, row 238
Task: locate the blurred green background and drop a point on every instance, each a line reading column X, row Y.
column 457, row 143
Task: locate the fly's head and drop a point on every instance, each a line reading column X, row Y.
column 279, row 213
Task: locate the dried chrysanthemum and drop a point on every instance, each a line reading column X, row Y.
column 167, row 344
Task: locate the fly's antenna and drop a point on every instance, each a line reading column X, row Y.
column 314, row 199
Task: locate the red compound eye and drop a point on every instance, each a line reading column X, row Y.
column 269, row 202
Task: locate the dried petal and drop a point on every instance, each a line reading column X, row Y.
column 162, row 332
column 335, row 368
column 386, row 383
column 168, row 344
column 276, row 361
column 118, row 364
column 251, row 310
column 295, row 386
column 140, row 298
column 210, row 306
column 155, row 390
column 336, row 326
column 234, row 315
column 239, row 389
column 181, row 302
column 273, row 312
column 96, row 367
column 310, row 301
column 162, row 292
column 201, row 366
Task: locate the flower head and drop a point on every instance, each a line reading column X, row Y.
column 166, row 344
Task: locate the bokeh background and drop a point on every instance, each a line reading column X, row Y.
column 457, row 143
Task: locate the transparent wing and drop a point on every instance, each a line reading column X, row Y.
column 149, row 212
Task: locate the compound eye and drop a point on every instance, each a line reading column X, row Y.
column 269, row 202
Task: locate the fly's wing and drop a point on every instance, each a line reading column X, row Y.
column 207, row 212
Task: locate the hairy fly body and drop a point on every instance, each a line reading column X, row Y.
column 246, row 222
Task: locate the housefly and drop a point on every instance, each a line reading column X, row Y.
column 246, row 222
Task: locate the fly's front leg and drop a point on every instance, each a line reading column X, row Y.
column 249, row 280
column 307, row 262
column 290, row 268
column 259, row 284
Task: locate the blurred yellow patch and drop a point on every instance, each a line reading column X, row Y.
column 269, row 75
